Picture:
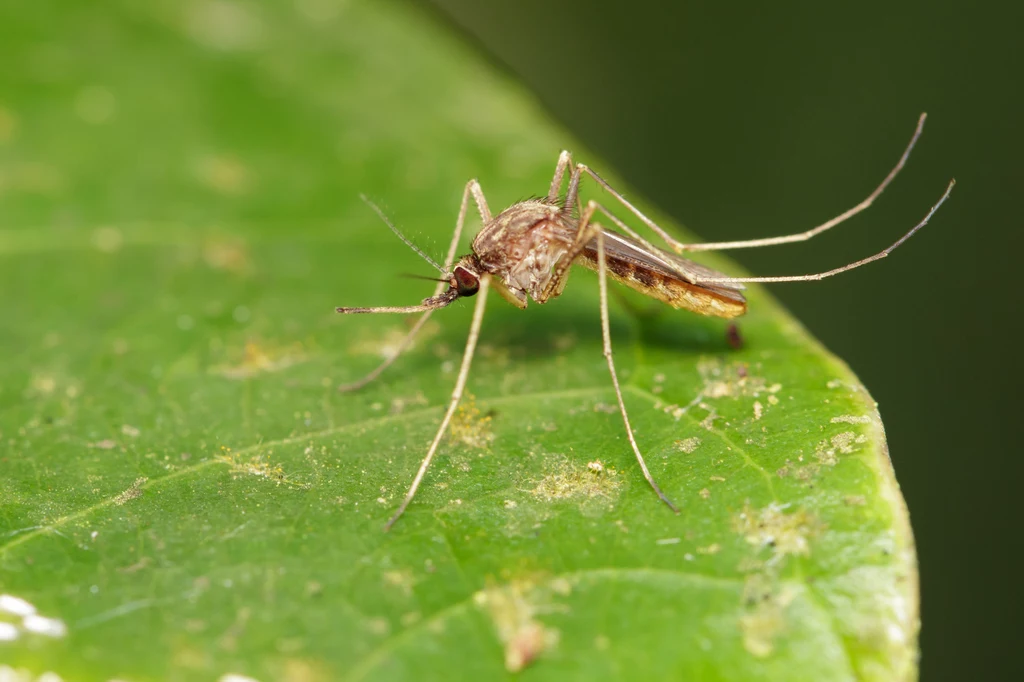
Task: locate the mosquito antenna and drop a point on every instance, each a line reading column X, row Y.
column 410, row 275
column 401, row 236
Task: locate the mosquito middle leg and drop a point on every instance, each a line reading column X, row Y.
column 607, row 341
column 453, row 403
column 472, row 189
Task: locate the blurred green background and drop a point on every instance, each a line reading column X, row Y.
column 758, row 119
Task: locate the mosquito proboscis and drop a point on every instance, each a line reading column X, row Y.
column 527, row 250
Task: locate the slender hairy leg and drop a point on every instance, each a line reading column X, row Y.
column 607, row 338
column 564, row 161
column 472, row 188
column 844, row 268
column 460, row 384
column 767, row 241
column 585, row 231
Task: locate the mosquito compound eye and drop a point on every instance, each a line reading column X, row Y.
column 466, row 282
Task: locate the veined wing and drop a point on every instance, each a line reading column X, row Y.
column 665, row 276
column 620, row 246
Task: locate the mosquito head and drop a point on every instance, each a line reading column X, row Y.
column 464, row 281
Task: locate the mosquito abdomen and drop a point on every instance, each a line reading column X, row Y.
column 674, row 291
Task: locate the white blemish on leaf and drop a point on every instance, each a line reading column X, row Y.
column 133, row 491
column 688, row 445
column 766, row 619
column 471, row 427
column 843, row 442
column 513, row 608
column 16, row 605
column 851, row 419
column 41, row 625
column 771, row 527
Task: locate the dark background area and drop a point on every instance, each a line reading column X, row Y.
column 758, row 120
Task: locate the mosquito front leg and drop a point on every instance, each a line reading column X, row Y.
column 453, row 403
column 607, row 340
column 472, row 189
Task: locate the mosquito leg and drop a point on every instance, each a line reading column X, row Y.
column 585, row 231
column 607, row 339
column 844, row 268
column 842, row 217
column 564, row 161
column 402, row 347
column 768, row 241
column 460, row 384
column 472, row 188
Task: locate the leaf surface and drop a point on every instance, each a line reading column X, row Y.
column 185, row 495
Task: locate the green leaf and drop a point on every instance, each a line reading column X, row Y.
column 186, row 496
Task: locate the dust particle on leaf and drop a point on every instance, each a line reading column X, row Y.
column 728, row 381
column 257, row 465
column 765, row 617
column 513, row 608
column 573, row 481
column 851, row 419
column 257, row 358
column 844, row 441
column 688, row 445
column 388, row 346
column 786, row 534
column 134, row 491
column 469, row 426
column 402, row 580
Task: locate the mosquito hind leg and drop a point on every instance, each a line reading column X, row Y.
column 680, row 247
column 843, row 268
column 472, row 189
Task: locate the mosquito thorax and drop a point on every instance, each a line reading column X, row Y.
column 521, row 245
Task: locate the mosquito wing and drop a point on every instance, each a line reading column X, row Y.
column 620, row 246
column 665, row 276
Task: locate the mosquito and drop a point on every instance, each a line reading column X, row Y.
column 527, row 250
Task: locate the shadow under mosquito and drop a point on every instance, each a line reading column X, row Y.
column 542, row 331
